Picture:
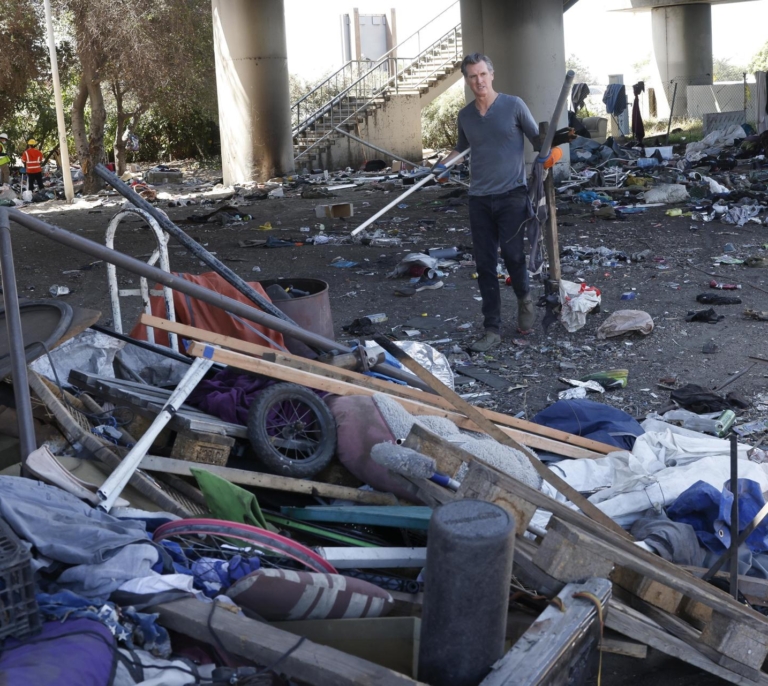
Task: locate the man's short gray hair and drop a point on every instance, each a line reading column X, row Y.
column 475, row 58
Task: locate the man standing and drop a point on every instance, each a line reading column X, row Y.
column 5, row 160
column 494, row 126
column 32, row 159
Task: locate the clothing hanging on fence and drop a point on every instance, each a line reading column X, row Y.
column 615, row 99
column 579, row 93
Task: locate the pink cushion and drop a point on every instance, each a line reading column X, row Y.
column 360, row 426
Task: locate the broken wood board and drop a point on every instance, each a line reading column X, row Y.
column 300, row 659
column 371, row 383
column 558, row 642
column 167, row 465
column 486, row 377
column 330, row 385
column 633, row 624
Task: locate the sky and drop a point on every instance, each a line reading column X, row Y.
column 606, row 42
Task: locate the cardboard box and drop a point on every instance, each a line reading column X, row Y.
column 334, row 211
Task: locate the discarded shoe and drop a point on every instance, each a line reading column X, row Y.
column 709, row 316
column 489, row 340
column 405, row 291
column 427, row 285
column 717, row 299
column 526, row 315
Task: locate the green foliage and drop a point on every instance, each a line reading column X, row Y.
column 759, row 61
column 724, row 70
column 438, row 119
column 583, row 75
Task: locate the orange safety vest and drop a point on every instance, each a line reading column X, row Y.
column 32, row 159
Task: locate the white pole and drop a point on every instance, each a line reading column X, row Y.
column 69, row 191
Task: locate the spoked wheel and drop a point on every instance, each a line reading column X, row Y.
column 214, row 538
column 291, row 430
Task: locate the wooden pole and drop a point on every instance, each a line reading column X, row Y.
column 551, row 241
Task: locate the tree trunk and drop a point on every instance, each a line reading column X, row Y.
column 78, row 121
column 96, row 133
column 122, row 118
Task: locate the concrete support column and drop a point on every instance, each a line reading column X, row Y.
column 682, row 46
column 252, row 87
column 525, row 42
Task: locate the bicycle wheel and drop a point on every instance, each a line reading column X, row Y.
column 223, row 540
column 291, row 430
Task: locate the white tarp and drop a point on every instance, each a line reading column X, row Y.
column 664, row 462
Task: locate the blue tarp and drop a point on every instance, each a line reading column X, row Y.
column 592, row 420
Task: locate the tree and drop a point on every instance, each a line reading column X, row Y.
column 724, row 70
column 583, row 75
column 23, row 51
column 759, row 61
column 438, row 119
column 158, row 52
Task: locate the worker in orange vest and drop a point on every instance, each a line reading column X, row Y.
column 32, row 159
column 5, row 160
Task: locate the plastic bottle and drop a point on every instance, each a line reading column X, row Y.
column 714, row 423
column 724, row 286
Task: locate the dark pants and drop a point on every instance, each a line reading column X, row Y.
column 35, row 178
column 496, row 222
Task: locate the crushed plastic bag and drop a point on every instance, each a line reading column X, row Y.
column 667, row 193
column 625, row 321
column 411, row 260
column 577, row 300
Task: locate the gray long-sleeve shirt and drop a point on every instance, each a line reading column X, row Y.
column 498, row 147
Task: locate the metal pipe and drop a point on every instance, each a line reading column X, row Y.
column 18, row 357
column 190, row 244
column 671, row 113
column 735, row 517
column 375, row 147
column 412, row 189
column 230, row 305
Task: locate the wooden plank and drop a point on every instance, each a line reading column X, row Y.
column 399, row 516
column 628, row 555
column 82, row 318
column 372, row 383
column 633, row 624
column 329, row 385
column 556, row 642
column 265, row 645
column 627, row 648
column 167, row 465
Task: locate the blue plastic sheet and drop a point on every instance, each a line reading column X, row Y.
column 708, row 511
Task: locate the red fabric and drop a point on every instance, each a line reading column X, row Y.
column 205, row 316
column 32, row 159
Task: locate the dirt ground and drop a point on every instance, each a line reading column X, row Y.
column 679, row 267
column 665, row 286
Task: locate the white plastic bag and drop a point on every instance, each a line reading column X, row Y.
column 576, row 300
column 624, row 321
column 667, row 193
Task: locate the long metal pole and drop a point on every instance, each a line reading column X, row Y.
column 16, row 342
column 69, row 191
column 140, row 268
column 412, row 189
column 546, row 144
column 671, row 113
column 375, row 147
column 190, row 244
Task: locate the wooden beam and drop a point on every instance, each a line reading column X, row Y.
column 167, row 465
column 329, row 385
column 549, row 229
column 257, row 641
column 333, row 372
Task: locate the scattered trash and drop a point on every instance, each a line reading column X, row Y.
column 717, row 299
column 56, row 291
column 625, row 321
column 708, row 316
column 724, row 286
column 577, row 300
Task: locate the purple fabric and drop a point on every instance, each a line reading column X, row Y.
column 228, row 395
column 79, row 651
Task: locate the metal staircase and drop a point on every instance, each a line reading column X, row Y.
column 357, row 89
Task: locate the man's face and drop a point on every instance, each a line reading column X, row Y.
column 479, row 78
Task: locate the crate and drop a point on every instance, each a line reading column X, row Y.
column 19, row 616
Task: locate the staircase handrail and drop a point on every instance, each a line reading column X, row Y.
column 320, row 112
column 386, row 57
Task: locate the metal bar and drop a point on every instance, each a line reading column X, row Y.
column 27, row 440
column 376, row 558
column 546, row 144
column 376, row 148
column 412, row 189
column 118, row 480
column 193, row 290
column 159, row 349
column 671, row 112
column 190, row 244
column 735, row 517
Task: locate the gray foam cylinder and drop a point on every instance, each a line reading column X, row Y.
column 469, row 569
